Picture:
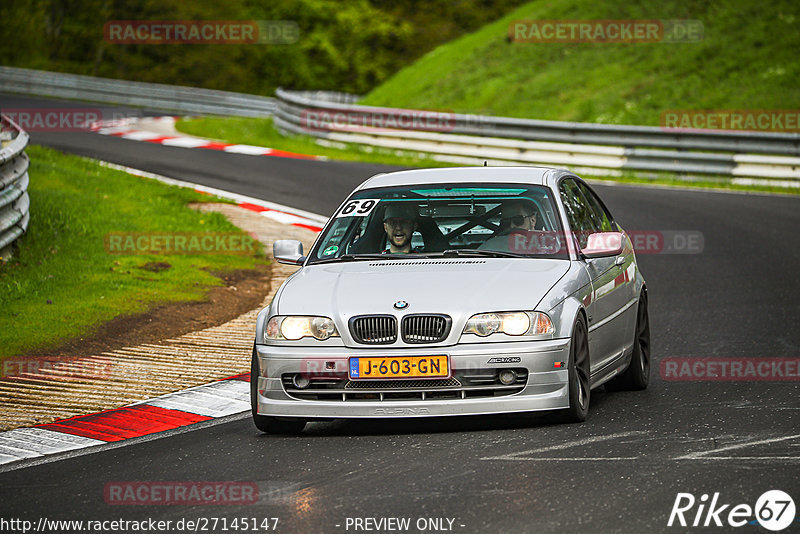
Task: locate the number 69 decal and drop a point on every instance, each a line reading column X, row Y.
column 358, row 208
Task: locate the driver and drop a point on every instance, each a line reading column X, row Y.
column 399, row 223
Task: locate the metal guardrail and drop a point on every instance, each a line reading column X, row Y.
column 331, row 97
column 171, row 98
column 14, row 200
column 584, row 147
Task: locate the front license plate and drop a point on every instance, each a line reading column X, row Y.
column 400, row 367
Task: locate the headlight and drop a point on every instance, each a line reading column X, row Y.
column 294, row 327
column 509, row 323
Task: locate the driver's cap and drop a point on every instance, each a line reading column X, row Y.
column 400, row 211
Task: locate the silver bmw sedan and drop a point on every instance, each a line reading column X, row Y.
column 463, row 291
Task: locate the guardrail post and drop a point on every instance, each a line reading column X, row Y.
column 14, row 200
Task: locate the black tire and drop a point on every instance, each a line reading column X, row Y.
column 579, row 365
column 265, row 423
column 637, row 375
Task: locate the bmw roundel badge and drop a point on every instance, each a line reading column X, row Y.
column 401, row 305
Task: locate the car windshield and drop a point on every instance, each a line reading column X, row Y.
column 445, row 220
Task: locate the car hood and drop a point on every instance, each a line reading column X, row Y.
column 453, row 286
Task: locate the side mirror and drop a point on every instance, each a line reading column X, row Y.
column 604, row 244
column 288, row 251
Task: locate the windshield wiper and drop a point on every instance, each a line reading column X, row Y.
column 454, row 253
column 360, row 257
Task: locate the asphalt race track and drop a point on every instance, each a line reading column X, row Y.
column 621, row 471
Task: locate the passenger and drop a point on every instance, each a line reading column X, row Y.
column 399, row 222
column 517, row 220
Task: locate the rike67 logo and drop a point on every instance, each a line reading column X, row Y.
column 774, row 510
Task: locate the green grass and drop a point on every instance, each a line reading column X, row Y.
column 261, row 132
column 62, row 283
column 748, row 59
column 719, row 183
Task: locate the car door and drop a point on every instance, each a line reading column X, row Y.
column 605, row 301
column 621, row 294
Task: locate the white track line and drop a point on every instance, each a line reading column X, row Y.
column 315, row 217
column 792, row 459
column 703, row 454
column 561, row 446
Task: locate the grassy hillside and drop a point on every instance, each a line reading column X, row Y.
column 749, row 59
column 345, row 45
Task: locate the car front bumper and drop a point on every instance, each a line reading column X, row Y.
column 546, row 387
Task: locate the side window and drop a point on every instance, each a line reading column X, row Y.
column 601, row 215
column 361, row 226
column 579, row 214
column 334, row 244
